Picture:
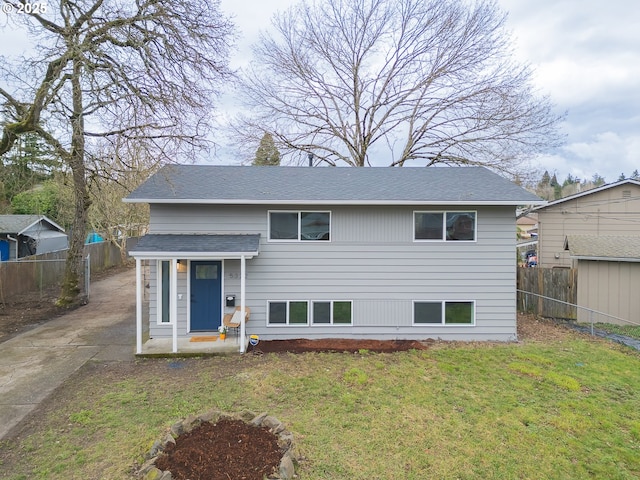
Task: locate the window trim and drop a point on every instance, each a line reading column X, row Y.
column 160, row 313
column 444, row 226
column 288, row 312
column 299, row 239
column 331, row 312
column 443, row 309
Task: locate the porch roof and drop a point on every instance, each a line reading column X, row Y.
column 196, row 246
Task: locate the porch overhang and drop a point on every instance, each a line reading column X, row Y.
column 175, row 247
column 196, row 246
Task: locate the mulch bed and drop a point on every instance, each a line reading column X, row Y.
column 227, row 450
column 301, row 345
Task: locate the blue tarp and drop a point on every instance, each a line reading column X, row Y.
column 94, row 237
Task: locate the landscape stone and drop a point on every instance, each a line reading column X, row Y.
column 273, row 424
column 177, row 429
column 211, row 416
column 257, row 421
column 153, row 474
column 287, row 469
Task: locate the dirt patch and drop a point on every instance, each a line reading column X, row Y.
column 22, row 312
column 227, row 449
column 538, row 329
column 301, row 345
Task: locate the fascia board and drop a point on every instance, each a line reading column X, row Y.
column 332, row 202
column 41, row 219
column 194, row 255
column 606, row 259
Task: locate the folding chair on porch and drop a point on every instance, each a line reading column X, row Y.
column 232, row 320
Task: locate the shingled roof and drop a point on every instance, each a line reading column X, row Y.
column 326, row 185
column 605, row 247
column 17, row 224
column 189, row 245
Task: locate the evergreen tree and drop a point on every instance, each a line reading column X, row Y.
column 40, row 200
column 267, row 152
column 570, row 180
column 598, row 180
column 26, row 165
column 546, row 179
column 622, row 177
column 635, row 175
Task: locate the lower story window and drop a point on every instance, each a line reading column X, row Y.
column 288, row 313
column 331, row 313
column 321, row 313
column 444, row 313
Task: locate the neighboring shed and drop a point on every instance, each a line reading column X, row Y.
column 609, row 210
column 24, row 235
column 609, row 276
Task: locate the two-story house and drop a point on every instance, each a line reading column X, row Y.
column 378, row 253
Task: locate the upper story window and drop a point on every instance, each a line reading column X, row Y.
column 445, row 226
column 299, row 226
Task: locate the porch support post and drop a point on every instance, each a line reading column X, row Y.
column 243, row 273
column 138, row 306
column 173, row 295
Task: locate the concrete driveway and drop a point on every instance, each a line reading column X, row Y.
column 36, row 362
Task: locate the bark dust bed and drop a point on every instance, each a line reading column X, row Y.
column 227, row 449
column 302, row 345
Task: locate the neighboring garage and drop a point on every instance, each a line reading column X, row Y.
column 609, row 276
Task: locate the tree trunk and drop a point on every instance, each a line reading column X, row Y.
column 73, row 274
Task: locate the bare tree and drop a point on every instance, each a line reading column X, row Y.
column 116, row 171
column 140, row 70
column 422, row 81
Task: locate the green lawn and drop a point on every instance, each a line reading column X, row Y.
column 568, row 409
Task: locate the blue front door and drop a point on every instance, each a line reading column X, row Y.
column 206, row 295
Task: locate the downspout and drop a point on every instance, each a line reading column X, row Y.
column 14, row 240
column 243, row 315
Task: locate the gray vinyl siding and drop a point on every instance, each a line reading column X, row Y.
column 372, row 261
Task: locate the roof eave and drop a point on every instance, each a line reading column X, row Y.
column 201, row 201
column 605, row 259
column 155, row 255
column 589, row 192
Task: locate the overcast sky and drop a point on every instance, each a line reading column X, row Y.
column 586, row 57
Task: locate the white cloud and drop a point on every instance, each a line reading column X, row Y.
column 586, row 56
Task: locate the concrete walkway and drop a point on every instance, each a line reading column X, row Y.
column 36, row 362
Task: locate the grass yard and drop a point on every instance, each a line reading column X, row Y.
column 632, row 331
column 562, row 409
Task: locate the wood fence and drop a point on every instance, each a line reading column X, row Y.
column 41, row 272
column 554, row 283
